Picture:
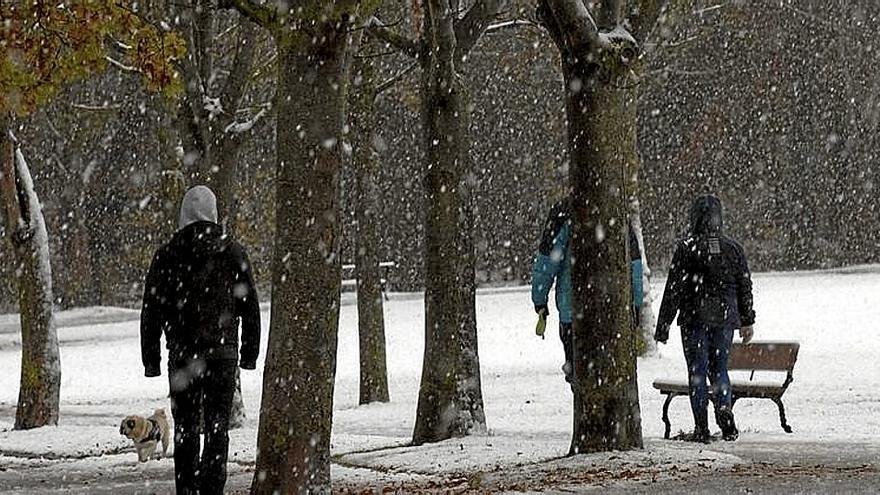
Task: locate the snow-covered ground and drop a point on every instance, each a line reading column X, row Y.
column 834, row 397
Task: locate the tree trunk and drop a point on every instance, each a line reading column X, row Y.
column 450, row 396
column 39, row 395
column 602, row 135
column 223, row 185
column 293, row 447
column 371, row 320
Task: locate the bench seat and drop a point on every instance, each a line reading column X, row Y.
column 755, row 356
column 742, row 389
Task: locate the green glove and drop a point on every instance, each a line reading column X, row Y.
column 542, row 323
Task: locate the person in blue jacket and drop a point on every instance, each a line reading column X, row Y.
column 552, row 266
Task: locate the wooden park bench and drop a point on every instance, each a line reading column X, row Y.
column 754, row 356
column 349, row 279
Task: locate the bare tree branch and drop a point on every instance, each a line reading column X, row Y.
column 469, row 29
column 572, row 24
column 201, row 32
column 390, row 82
column 611, row 14
column 380, row 31
column 261, row 15
column 647, row 15
column 240, row 72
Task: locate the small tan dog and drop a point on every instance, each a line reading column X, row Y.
column 147, row 433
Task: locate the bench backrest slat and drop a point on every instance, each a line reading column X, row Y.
column 772, row 356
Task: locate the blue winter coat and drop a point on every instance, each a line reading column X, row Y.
column 552, row 264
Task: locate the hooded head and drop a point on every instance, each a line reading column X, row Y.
column 706, row 216
column 199, row 205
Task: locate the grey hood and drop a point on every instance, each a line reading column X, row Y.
column 199, row 205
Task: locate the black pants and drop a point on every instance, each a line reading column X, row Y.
column 198, row 384
column 565, row 335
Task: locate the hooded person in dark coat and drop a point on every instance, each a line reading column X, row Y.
column 710, row 287
column 199, row 288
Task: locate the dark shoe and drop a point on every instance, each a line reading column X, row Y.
column 727, row 424
column 699, row 436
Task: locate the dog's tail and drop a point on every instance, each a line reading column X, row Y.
column 160, row 412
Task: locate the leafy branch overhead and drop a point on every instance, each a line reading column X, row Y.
column 46, row 45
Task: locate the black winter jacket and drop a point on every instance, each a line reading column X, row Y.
column 199, row 287
column 709, row 280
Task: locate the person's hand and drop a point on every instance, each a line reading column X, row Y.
column 152, row 371
column 662, row 333
column 746, row 333
column 541, row 309
column 542, row 321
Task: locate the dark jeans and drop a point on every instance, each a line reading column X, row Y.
column 706, row 349
column 198, row 384
column 565, row 335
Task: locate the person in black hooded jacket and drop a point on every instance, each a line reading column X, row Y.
column 710, row 287
column 198, row 289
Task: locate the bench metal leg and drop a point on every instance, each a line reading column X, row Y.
column 666, row 415
column 782, row 420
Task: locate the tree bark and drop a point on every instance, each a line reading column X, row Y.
column 39, row 393
column 600, row 107
column 601, row 118
column 293, row 448
column 371, row 319
column 450, row 396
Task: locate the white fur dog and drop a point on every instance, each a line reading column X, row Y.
column 146, row 433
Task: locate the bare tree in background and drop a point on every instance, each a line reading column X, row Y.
column 450, row 395
column 365, row 161
column 313, row 42
column 39, row 395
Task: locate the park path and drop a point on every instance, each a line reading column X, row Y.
column 768, row 467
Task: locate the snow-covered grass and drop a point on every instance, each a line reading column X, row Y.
column 527, row 402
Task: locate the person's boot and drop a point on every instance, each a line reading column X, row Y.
column 568, row 369
column 701, row 435
column 727, row 424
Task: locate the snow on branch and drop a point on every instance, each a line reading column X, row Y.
column 36, row 225
column 513, row 23
column 241, row 127
column 119, row 65
column 213, row 106
column 616, row 37
column 96, row 108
